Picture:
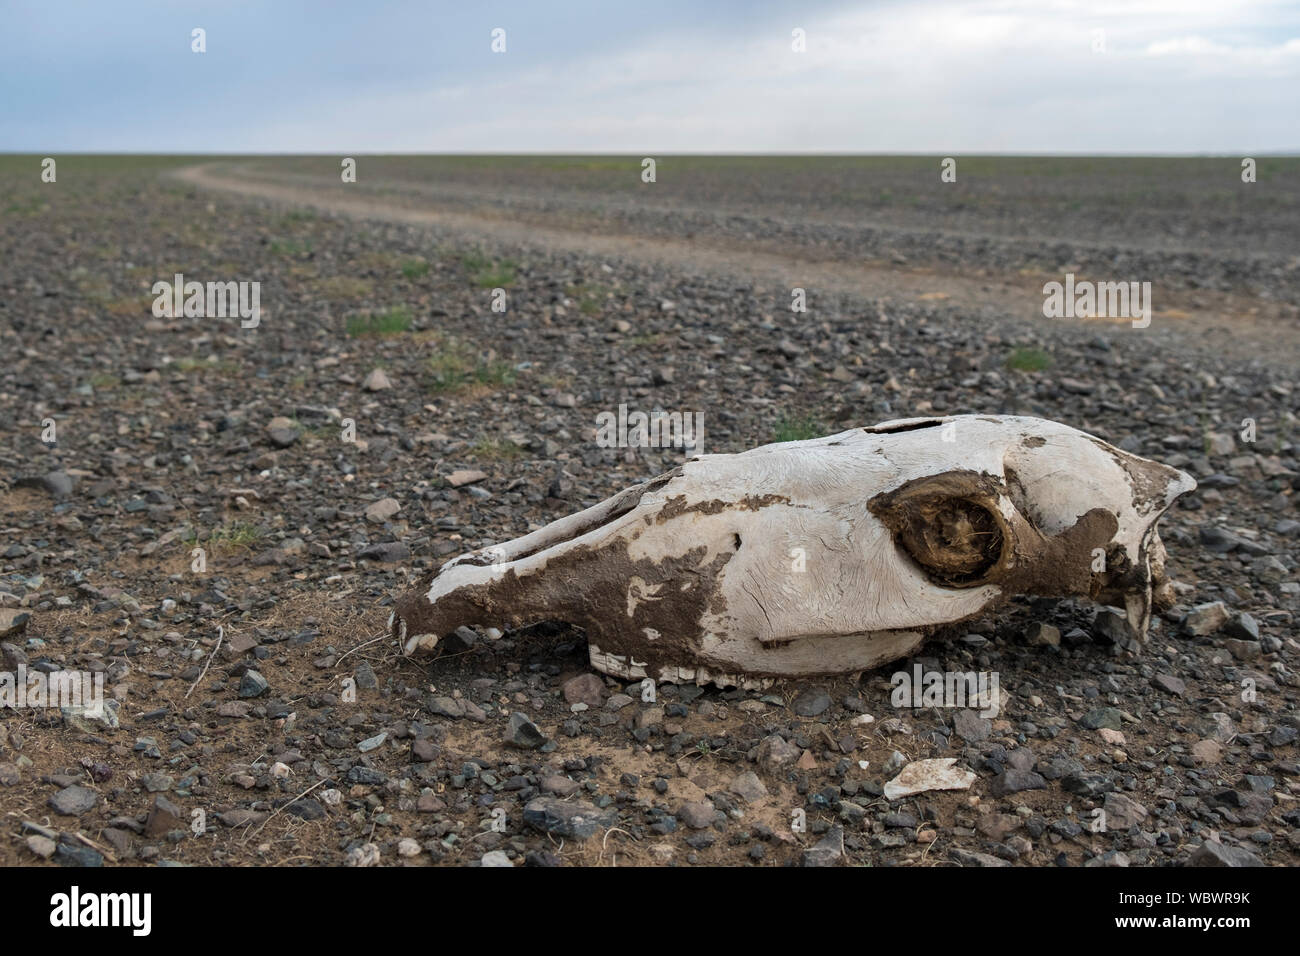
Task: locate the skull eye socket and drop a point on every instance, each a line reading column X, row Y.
column 950, row 525
column 957, row 541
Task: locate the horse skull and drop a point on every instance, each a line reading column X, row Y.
column 825, row 556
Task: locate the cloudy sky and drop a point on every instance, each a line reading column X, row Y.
column 640, row 76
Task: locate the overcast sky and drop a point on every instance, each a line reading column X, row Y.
column 644, row 76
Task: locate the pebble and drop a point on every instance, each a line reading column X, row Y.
column 73, row 801
column 1205, row 619
column 382, row 510
column 252, row 684
column 522, row 732
column 574, row 820
column 585, row 689
column 811, row 702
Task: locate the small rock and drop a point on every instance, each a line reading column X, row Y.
column 970, row 726
column 281, row 431
column 1210, row 853
column 828, row 850
column 1043, row 635
column 575, row 820
column 523, row 733
column 1208, row 752
column 164, row 816
column 1086, row 784
column 586, row 689
column 1111, row 625
column 376, row 381
column 776, row 753
column 74, row 800
column 58, row 484
column 1102, row 717
column 811, row 702
column 241, row 817
column 1217, row 726
column 386, row 552
column 364, row 677
column 157, row 782
column 923, row 775
column 1014, row 781
column 1122, row 811
column 748, row 787
column 382, row 510
column 1205, row 619
column 13, row 621
column 698, row 815
column 362, row 856
column 1243, row 627
column 42, row 846
column 458, row 479
column 1243, row 650
column 1170, row 684
column 446, row 707
column 1268, row 569
column 559, row 786
column 252, row 684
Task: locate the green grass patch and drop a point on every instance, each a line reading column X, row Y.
column 487, row 273
column 344, row 287
column 290, row 247
column 415, row 268
column 1028, row 360
column 496, row 449
column 235, row 536
column 590, row 298
column 455, row 366
column 27, row 206
column 392, row 322
column 794, row 428
column 291, row 219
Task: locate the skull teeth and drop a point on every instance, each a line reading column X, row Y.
column 621, row 666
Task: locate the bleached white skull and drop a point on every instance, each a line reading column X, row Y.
column 825, row 556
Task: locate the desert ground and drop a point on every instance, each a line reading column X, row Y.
column 262, row 715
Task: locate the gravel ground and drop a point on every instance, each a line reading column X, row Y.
column 263, row 691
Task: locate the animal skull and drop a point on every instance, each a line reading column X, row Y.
column 825, row 556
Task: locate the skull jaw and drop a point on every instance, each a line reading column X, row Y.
column 752, row 666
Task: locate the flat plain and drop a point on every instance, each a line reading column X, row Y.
column 923, row 297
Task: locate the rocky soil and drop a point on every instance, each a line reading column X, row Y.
column 183, row 509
